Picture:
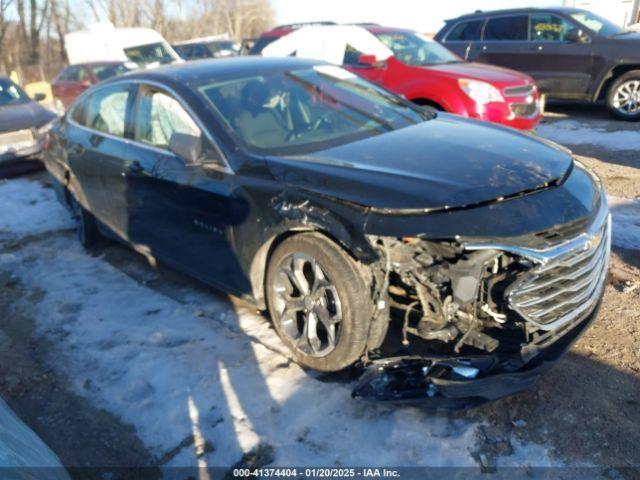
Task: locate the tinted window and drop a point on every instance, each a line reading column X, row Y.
column 512, row 28
column 105, row 110
column 302, row 111
column 70, row 74
column 549, row 28
column 152, row 53
column 466, row 31
column 351, row 56
column 11, row 94
column 103, row 72
column 158, row 117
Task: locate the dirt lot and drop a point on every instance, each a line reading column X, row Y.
column 116, row 364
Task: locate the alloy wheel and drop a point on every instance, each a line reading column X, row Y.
column 307, row 305
column 627, row 98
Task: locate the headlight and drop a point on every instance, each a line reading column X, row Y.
column 480, row 92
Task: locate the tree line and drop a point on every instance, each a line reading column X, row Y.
column 32, row 31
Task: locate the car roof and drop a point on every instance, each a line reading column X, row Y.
column 506, row 11
column 207, row 69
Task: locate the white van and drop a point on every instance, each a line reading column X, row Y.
column 103, row 42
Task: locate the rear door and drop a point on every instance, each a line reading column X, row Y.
column 505, row 39
column 97, row 147
column 464, row 37
column 560, row 67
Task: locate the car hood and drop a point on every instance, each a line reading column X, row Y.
column 481, row 71
column 24, row 115
column 446, row 162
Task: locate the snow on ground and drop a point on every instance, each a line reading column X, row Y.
column 573, row 132
column 28, row 209
column 626, row 222
column 190, row 363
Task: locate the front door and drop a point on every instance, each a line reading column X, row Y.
column 182, row 213
column 561, row 67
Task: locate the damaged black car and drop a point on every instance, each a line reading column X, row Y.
column 450, row 259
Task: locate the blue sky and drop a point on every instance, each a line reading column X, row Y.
column 422, row 15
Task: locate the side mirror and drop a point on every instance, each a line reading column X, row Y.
column 370, row 61
column 187, row 147
column 85, row 83
column 576, row 35
column 39, row 97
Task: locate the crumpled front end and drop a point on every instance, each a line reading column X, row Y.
column 483, row 319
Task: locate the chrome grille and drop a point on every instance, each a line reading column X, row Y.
column 568, row 284
column 16, row 138
column 519, row 91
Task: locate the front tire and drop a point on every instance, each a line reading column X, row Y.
column 318, row 301
column 623, row 96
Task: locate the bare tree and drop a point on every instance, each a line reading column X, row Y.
column 32, row 16
column 61, row 17
column 5, row 24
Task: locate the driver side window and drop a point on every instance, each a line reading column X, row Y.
column 158, row 117
column 549, row 28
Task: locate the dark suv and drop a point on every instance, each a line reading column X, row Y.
column 571, row 53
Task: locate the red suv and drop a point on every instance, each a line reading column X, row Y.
column 423, row 71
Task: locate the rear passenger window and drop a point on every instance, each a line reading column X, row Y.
column 466, row 31
column 105, row 110
column 549, row 28
column 512, row 28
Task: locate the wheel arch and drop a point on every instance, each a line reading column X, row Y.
column 260, row 261
column 427, row 102
column 611, row 76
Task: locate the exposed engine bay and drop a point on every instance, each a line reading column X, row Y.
column 453, row 297
column 480, row 311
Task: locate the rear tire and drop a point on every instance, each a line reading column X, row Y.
column 318, row 301
column 86, row 225
column 623, row 96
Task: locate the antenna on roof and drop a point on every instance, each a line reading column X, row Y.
column 478, row 11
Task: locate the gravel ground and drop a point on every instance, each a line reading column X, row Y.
column 84, row 396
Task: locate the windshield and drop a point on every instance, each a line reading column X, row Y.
column 11, row 94
column 303, row 111
column 597, row 23
column 151, row 53
column 414, row 49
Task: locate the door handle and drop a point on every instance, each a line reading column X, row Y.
column 133, row 168
column 76, row 149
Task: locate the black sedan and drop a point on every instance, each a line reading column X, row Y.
column 23, row 125
column 343, row 210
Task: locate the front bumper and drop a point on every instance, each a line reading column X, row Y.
column 421, row 379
